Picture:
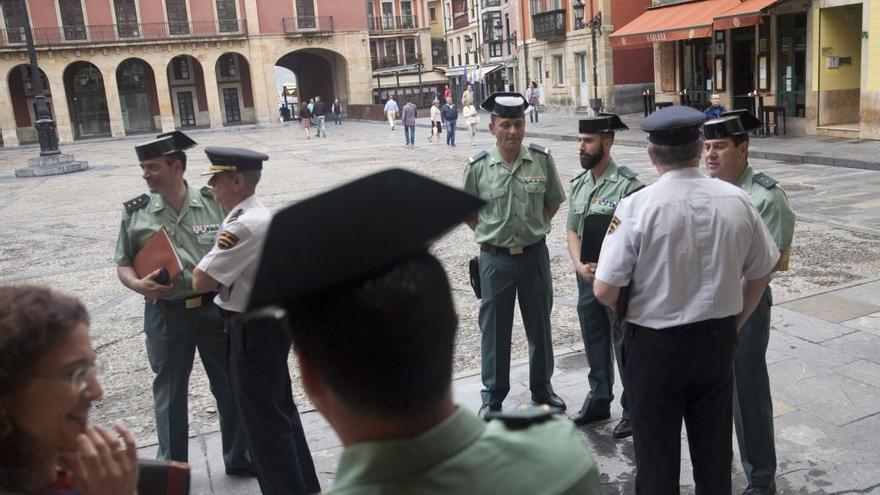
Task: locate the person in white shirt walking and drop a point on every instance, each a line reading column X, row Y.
column 391, row 110
column 472, row 118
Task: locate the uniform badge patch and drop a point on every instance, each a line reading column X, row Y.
column 615, row 222
column 235, row 214
column 226, row 240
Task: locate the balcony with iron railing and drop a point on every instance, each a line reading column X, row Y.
column 125, row 33
column 387, row 62
column 460, row 20
column 306, row 24
column 549, row 25
column 388, row 23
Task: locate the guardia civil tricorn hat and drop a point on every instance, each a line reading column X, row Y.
column 601, row 124
column 506, row 105
column 165, row 144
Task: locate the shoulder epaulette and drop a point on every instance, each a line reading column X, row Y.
column 523, row 416
column 137, row 203
column 578, row 176
column 479, row 156
column 764, row 180
column 539, row 148
column 626, row 173
column 633, row 191
column 207, row 192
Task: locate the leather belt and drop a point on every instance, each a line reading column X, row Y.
column 190, row 302
column 510, row 251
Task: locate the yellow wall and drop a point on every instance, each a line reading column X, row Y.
column 841, row 39
column 873, row 41
column 437, row 25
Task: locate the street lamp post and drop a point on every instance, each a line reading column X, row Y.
column 51, row 161
column 595, row 27
column 469, row 43
column 419, row 66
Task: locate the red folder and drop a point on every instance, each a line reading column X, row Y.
column 157, row 253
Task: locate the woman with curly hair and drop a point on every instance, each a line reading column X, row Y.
column 48, row 382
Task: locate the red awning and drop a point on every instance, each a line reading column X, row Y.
column 681, row 21
column 745, row 14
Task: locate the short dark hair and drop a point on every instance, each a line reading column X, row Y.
column 740, row 139
column 177, row 155
column 678, row 155
column 383, row 344
column 33, row 320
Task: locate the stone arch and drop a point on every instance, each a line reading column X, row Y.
column 139, row 102
column 87, row 100
column 319, row 72
column 22, row 97
column 235, row 89
column 186, row 87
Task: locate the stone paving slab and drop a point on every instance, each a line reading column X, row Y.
column 869, row 323
column 862, row 344
column 832, row 307
column 805, row 327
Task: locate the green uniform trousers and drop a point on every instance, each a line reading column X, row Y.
column 503, row 278
column 173, row 335
column 752, row 406
column 601, row 346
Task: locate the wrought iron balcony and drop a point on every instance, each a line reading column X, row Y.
column 305, row 24
column 460, row 20
column 126, row 33
column 549, row 25
column 392, row 23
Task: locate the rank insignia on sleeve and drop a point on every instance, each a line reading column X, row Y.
column 226, row 240
column 615, row 222
column 235, row 214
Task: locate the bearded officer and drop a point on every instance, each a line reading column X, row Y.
column 178, row 319
column 727, row 158
column 696, row 258
column 374, row 332
column 595, row 193
column 522, row 192
column 257, row 354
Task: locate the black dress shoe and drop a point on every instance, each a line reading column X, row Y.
column 246, row 471
column 551, row 400
column 485, row 408
column 623, row 429
column 586, row 417
column 754, row 490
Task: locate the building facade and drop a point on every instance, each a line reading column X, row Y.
column 558, row 53
column 802, row 66
column 120, row 67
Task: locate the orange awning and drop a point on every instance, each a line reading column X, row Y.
column 745, row 14
column 681, row 21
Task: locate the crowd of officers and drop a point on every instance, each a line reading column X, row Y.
column 672, row 278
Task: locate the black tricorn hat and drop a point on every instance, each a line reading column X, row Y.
column 674, row 125
column 723, row 127
column 506, row 105
column 747, row 118
column 601, row 124
column 353, row 232
column 234, row 160
column 164, row 144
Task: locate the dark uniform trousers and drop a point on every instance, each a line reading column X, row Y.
column 752, row 405
column 599, row 343
column 503, row 277
column 674, row 373
column 173, row 335
column 258, row 354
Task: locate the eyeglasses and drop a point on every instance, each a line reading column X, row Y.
column 79, row 377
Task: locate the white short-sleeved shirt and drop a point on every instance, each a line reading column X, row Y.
column 684, row 244
column 233, row 261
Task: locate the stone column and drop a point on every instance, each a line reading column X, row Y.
column 163, row 93
column 263, row 83
column 7, row 119
column 114, row 104
column 60, row 108
column 214, row 111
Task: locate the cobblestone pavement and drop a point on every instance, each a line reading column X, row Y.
column 61, row 231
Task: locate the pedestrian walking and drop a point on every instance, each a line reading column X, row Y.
column 391, row 110
column 533, row 94
column 447, row 93
column 727, row 158
column 319, row 112
column 467, row 96
column 258, row 349
column 472, row 118
column 449, row 114
column 436, row 121
column 374, row 333
column 336, row 109
column 178, row 320
column 305, row 119
column 696, row 258
column 311, row 104
column 284, row 112
column 523, row 193
column 408, row 119
column 595, row 193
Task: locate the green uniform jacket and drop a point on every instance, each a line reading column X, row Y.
column 515, row 198
column 192, row 231
column 771, row 202
column 590, row 197
column 463, row 454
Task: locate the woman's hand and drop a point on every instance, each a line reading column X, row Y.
column 104, row 465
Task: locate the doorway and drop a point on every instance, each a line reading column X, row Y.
column 583, row 89
column 792, row 49
column 743, row 65
column 696, row 72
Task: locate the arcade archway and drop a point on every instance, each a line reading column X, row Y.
column 319, row 72
column 186, row 82
column 87, row 100
column 22, row 96
column 137, row 96
column 235, row 89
